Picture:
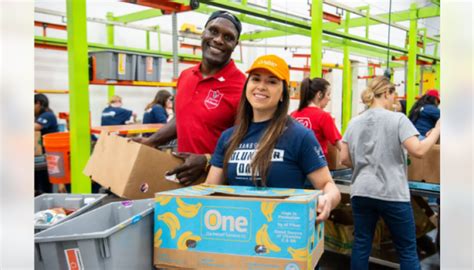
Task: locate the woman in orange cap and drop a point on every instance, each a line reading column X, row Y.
column 267, row 147
column 425, row 113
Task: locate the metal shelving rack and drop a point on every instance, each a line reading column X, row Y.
column 279, row 24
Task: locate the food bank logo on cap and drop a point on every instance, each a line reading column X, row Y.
column 268, row 63
column 213, row 99
column 275, row 64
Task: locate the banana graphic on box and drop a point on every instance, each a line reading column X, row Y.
column 163, row 200
column 298, row 254
column 267, row 209
column 157, row 242
column 263, row 239
column 187, row 239
column 187, row 210
column 172, row 222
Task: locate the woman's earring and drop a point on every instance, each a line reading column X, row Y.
column 281, row 99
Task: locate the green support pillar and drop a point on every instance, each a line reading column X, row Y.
column 159, row 37
column 438, row 77
column 346, row 82
column 419, row 80
column 412, row 51
column 110, row 41
column 147, row 40
column 316, row 39
column 78, row 94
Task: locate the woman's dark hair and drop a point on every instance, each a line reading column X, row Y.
column 416, row 109
column 160, row 98
column 310, row 88
column 261, row 161
column 43, row 101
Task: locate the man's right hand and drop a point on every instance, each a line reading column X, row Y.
column 191, row 170
column 142, row 140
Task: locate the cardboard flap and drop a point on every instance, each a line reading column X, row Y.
column 112, row 160
column 245, row 192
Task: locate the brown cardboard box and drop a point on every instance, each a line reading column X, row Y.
column 131, row 170
column 426, row 168
column 38, row 144
column 334, row 158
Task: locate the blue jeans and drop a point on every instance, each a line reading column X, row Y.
column 399, row 218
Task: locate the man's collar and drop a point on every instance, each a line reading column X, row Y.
column 221, row 74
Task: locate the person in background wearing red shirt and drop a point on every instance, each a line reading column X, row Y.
column 206, row 101
column 314, row 97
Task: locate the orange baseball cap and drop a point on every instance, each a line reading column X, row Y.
column 276, row 65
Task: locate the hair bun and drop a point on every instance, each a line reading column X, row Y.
column 367, row 96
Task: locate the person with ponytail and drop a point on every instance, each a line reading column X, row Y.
column 425, row 112
column 155, row 112
column 266, row 147
column 45, row 120
column 314, row 97
column 374, row 147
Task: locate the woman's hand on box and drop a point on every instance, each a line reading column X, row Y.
column 324, row 208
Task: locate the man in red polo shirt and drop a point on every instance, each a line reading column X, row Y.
column 207, row 98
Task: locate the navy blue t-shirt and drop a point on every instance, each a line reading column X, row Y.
column 429, row 114
column 157, row 115
column 49, row 123
column 296, row 154
column 112, row 116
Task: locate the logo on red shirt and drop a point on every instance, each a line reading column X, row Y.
column 305, row 122
column 213, row 99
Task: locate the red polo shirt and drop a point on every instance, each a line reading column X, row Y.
column 206, row 107
column 322, row 125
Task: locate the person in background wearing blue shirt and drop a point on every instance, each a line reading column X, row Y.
column 114, row 114
column 155, row 112
column 45, row 120
column 425, row 113
column 266, row 147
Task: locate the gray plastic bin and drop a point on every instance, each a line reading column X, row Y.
column 109, row 67
column 148, row 68
column 75, row 201
column 118, row 235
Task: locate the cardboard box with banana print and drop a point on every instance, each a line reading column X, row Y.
column 237, row 227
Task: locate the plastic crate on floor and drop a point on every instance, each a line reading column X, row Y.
column 117, row 235
column 68, row 201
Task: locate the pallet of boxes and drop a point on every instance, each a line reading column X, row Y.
column 339, row 228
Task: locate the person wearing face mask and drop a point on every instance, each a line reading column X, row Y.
column 374, row 147
column 267, row 148
column 315, row 96
column 206, row 100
